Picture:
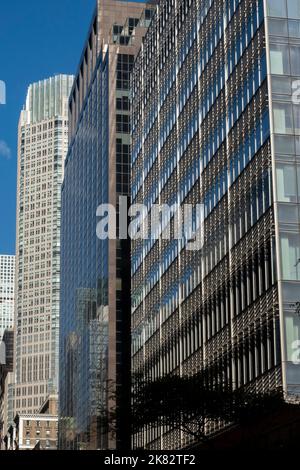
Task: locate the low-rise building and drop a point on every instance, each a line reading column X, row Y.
column 35, row 431
column 6, row 367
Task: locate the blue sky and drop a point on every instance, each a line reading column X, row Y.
column 37, row 39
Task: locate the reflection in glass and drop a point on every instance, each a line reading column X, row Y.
column 279, row 56
column 290, row 256
column 286, row 183
column 277, row 8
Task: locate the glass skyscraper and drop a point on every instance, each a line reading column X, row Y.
column 216, row 121
column 42, row 147
column 95, row 294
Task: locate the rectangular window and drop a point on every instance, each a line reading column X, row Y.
column 294, row 28
column 295, row 60
column 290, row 256
column 278, row 27
column 279, row 56
column 296, row 110
column 283, row 118
column 277, row 8
column 292, row 331
column 286, row 183
column 285, row 144
column 293, row 8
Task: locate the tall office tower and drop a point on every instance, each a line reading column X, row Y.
column 42, row 146
column 215, row 123
column 7, row 292
column 7, row 309
column 95, row 293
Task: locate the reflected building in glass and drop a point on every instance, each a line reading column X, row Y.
column 95, row 294
column 216, row 121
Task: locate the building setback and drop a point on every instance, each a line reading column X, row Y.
column 95, row 289
column 42, row 147
column 214, row 123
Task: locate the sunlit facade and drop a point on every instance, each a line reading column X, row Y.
column 215, row 122
column 42, row 147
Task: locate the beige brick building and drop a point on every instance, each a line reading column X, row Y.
column 35, row 431
column 42, row 146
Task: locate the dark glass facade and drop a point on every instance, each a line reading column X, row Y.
column 203, row 133
column 95, row 296
column 84, row 303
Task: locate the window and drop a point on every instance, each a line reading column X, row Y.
column 117, row 29
column 278, row 27
column 283, row 118
column 292, row 331
column 123, row 104
column 293, row 8
column 294, row 28
column 277, row 8
column 290, row 256
column 296, row 110
column 281, row 85
column 286, row 183
column 285, row 144
column 123, row 123
column 295, row 60
column 279, row 56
